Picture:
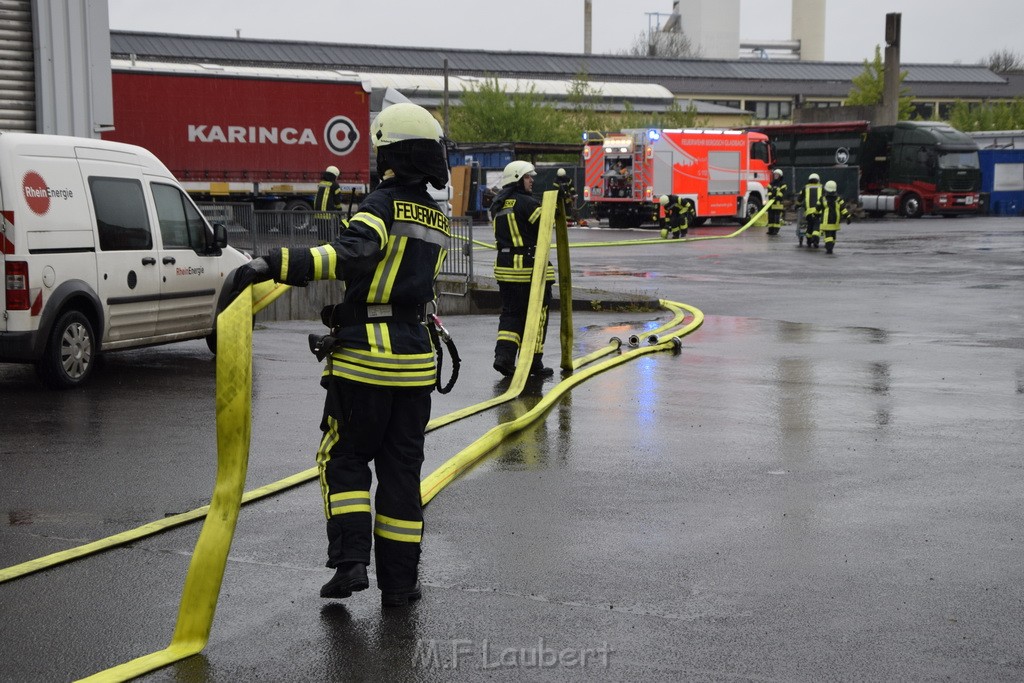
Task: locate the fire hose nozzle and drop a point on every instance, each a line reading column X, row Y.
column 633, row 340
column 652, row 339
column 677, row 345
column 616, row 341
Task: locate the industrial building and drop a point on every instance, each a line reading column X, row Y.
column 768, row 90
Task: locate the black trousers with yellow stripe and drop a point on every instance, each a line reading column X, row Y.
column 515, row 302
column 385, row 425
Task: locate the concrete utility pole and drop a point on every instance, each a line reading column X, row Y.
column 889, row 112
column 587, row 11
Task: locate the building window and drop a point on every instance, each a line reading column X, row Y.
column 923, row 111
column 946, row 110
column 770, row 109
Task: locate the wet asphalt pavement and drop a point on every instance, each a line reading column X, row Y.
column 825, row 485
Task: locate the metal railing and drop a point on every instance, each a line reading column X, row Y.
column 259, row 231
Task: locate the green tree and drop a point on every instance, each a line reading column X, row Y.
column 489, row 113
column 976, row 116
column 869, row 86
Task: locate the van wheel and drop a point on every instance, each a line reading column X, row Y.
column 70, row 352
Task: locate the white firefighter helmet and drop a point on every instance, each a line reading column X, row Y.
column 663, row 199
column 401, row 122
column 515, row 171
column 831, row 186
column 333, row 170
column 561, row 173
column 814, row 178
column 777, row 173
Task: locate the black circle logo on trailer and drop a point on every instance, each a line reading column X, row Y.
column 341, row 135
column 842, row 156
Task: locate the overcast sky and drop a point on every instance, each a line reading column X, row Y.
column 934, row 31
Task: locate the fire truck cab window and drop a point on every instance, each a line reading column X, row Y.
column 759, row 151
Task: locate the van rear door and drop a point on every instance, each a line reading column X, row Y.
column 128, row 277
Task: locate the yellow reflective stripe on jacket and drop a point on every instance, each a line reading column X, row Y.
column 535, row 216
column 398, row 529
column 348, row 502
column 386, row 271
column 378, row 337
column 284, row 266
column 374, row 222
column 325, row 262
column 513, row 231
column 386, row 369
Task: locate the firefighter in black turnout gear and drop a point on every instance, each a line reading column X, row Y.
column 516, row 218
column 810, row 195
column 833, row 211
column 381, row 367
column 567, row 194
column 678, row 213
column 776, row 207
column 328, row 198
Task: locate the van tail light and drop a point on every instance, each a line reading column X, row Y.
column 16, row 285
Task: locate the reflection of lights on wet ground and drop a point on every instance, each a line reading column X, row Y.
column 648, row 394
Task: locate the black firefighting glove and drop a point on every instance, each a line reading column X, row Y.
column 257, row 270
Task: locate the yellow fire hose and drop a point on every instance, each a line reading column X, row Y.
column 234, row 375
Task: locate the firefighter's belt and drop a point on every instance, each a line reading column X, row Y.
column 525, row 251
column 348, row 314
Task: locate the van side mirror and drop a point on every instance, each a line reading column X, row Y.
column 220, row 236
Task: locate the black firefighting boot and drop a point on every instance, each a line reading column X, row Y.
column 505, row 359
column 400, row 598
column 537, row 369
column 829, row 246
column 349, row 577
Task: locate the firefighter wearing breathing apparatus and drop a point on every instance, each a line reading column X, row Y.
column 776, row 194
column 832, row 210
column 381, row 368
column 515, row 215
column 328, row 198
column 810, row 195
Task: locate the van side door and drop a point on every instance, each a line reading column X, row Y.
column 190, row 264
column 128, row 279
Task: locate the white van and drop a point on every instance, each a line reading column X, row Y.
column 101, row 250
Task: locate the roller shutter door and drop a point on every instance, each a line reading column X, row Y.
column 17, row 67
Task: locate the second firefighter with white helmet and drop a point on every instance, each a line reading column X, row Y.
column 515, row 215
column 832, row 211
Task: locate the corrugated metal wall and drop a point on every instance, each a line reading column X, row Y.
column 17, row 67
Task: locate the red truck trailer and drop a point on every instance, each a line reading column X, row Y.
column 720, row 172
column 245, row 133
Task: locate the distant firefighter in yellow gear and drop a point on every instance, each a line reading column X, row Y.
column 832, row 210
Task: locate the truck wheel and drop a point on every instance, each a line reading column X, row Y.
column 911, row 206
column 70, row 352
column 753, row 206
column 301, row 218
column 617, row 222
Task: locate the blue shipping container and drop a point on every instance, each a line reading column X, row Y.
column 1002, row 178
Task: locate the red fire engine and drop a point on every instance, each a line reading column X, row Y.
column 721, row 172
